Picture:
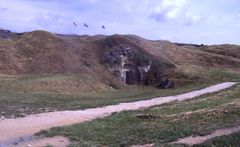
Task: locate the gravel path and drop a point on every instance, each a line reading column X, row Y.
column 15, row 128
column 200, row 139
column 57, row 141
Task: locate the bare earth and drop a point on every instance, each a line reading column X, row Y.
column 200, row 139
column 11, row 129
column 145, row 145
column 57, row 141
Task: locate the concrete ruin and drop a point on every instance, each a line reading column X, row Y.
column 131, row 73
column 121, row 61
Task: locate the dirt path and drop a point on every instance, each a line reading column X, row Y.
column 200, row 139
column 16, row 128
column 57, row 141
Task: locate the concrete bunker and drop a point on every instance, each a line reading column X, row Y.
column 131, row 74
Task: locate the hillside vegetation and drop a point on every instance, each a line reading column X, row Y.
column 73, row 64
column 42, row 71
column 45, row 72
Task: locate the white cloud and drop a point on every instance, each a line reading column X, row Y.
column 129, row 5
column 191, row 18
column 3, row 9
column 17, row 16
column 177, row 11
column 173, row 7
column 166, row 37
column 49, row 19
column 93, row 1
column 238, row 14
column 168, row 9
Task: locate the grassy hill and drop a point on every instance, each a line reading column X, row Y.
column 42, row 71
column 45, row 72
column 75, row 63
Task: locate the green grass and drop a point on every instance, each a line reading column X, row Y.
column 209, row 112
column 16, row 101
column 17, row 104
column 49, row 145
column 56, row 83
column 224, row 141
column 222, row 75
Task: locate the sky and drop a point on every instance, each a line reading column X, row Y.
column 184, row 21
